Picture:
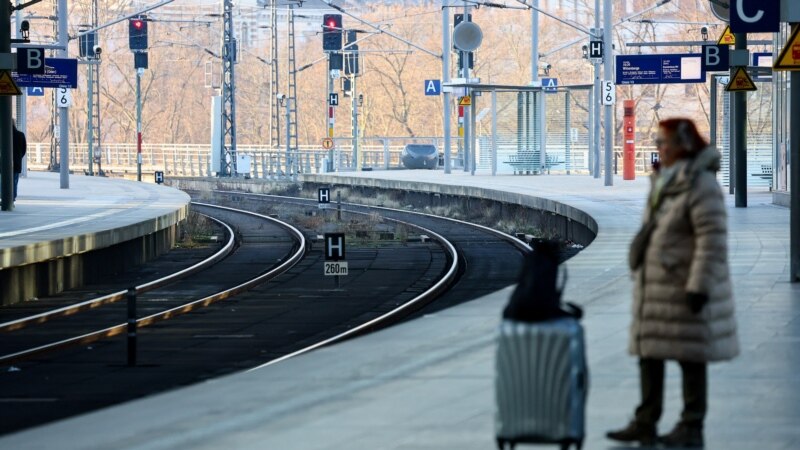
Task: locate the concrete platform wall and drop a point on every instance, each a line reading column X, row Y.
column 49, row 277
column 554, row 218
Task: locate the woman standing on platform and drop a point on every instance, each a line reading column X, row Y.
column 20, row 147
column 683, row 308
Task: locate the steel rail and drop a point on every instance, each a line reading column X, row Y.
column 120, row 295
column 425, row 297
column 431, row 293
column 185, row 308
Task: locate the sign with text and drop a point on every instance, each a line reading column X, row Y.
column 433, row 87
column 30, row 60
column 596, row 49
column 334, row 247
column 608, row 92
column 660, row 69
column 550, row 85
column 64, row 97
column 755, row 16
column 35, row 91
column 335, row 268
column 324, row 197
column 762, row 59
column 716, row 58
column 58, row 73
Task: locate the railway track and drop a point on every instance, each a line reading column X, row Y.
column 252, row 263
column 298, row 312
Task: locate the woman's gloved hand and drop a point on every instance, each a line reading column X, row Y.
column 696, row 301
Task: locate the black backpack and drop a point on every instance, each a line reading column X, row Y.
column 537, row 297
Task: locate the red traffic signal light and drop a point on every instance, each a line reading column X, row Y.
column 332, row 32
column 137, row 33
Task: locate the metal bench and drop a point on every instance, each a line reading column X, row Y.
column 766, row 173
column 523, row 164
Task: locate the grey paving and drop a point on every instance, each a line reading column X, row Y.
column 428, row 384
column 95, row 212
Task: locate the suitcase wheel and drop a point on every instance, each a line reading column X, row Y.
column 501, row 444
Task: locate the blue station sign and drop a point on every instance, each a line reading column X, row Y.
column 660, row 69
column 433, row 87
column 58, row 73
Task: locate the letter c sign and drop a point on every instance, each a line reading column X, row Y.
column 755, row 16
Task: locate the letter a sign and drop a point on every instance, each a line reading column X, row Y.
column 433, row 87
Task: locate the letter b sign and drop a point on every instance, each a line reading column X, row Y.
column 30, row 61
column 716, row 58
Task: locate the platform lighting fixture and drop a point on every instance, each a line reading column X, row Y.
column 25, row 29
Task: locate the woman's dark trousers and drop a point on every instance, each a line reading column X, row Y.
column 695, row 392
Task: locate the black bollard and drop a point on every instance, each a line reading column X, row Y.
column 131, row 326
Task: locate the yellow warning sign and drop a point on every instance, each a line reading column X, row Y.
column 465, row 101
column 727, row 37
column 741, row 81
column 789, row 58
column 7, row 85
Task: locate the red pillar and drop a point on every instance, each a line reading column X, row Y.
column 629, row 136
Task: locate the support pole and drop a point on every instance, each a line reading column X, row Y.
column 731, row 133
column 356, row 158
column 445, row 79
column 89, row 104
column 6, row 149
column 494, row 132
column 473, row 135
column 597, row 99
column 740, row 128
column 712, row 135
column 22, row 101
column 338, row 206
column 794, row 174
column 536, row 121
column 131, row 297
column 138, row 124
column 467, row 140
column 63, row 113
column 329, row 118
column 567, row 131
column 590, row 132
column 287, row 119
column 609, row 109
column 228, row 94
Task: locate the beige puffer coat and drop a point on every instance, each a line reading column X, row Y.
column 687, row 252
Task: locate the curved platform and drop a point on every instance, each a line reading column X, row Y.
column 53, row 224
column 428, row 383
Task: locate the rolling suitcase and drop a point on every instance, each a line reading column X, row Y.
column 541, row 382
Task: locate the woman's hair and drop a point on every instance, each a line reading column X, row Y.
column 685, row 136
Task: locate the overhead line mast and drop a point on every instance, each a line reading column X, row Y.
column 228, row 119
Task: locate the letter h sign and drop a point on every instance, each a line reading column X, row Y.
column 324, row 195
column 334, row 247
